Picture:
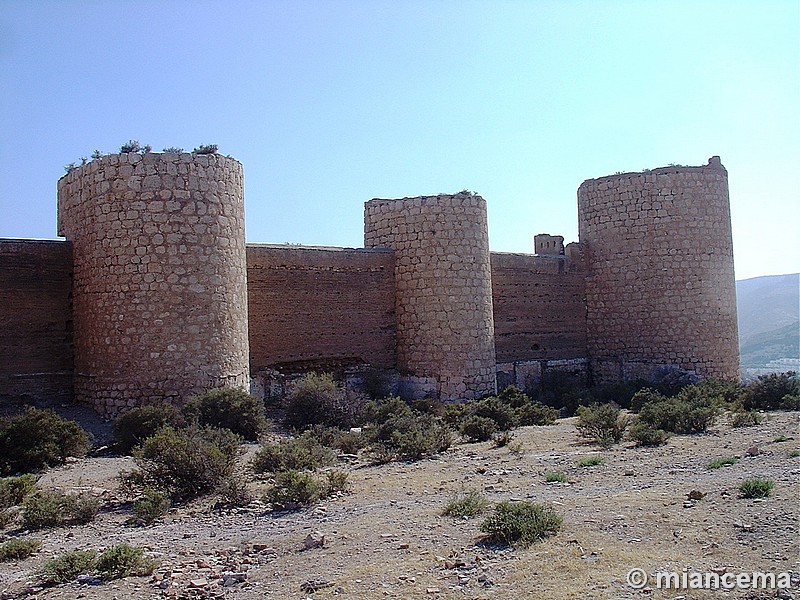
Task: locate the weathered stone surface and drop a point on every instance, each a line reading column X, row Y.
column 160, row 288
column 445, row 327
column 35, row 319
column 155, row 283
column 326, row 304
column 660, row 287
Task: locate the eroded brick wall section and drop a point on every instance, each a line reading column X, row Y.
column 661, row 289
column 539, row 308
column 320, row 306
column 160, row 288
column 445, row 330
column 35, row 320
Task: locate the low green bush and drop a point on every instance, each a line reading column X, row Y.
column 411, row 437
column 502, row 439
column 206, row 149
column 7, row 515
column 526, row 410
column 14, row 489
column 233, row 493
column 689, row 412
column 303, row 452
column 773, row 391
column 228, row 408
column 18, row 549
column 348, row 442
column 375, row 384
column 136, row 425
column 746, row 418
column 604, row 424
column 621, row 394
column 478, row 429
column 590, row 461
column 38, row 439
column 468, row 504
column 67, row 567
column 317, row 400
column 336, row 481
column 123, row 561
column 380, row 411
column 718, row 463
column 429, row 406
column 644, row 396
column 185, row 463
column 293, row 489
column 756, row 488
column 794, row 453
column 47, row 508
column 152, row 505
column 520, row 523
column 536, row 413
column 555, row 477
column 646, row 435
column 503, row 415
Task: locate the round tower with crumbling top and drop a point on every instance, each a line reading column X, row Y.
column 660, row 290
column 159, row 285
column 445, row 328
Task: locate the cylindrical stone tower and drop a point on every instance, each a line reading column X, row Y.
column 445, row 328
column 160, row 278
column 660, row 289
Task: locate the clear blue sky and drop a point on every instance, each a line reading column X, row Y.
column 330, row 103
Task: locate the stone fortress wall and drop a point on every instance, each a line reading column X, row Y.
column 154, row 296
column 442, row 273
column 159, row 277
column 660, row 287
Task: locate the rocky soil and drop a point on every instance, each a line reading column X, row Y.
column 386, row 538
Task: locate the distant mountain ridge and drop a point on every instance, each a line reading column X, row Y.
column 769, row 322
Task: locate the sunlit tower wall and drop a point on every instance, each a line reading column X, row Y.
column 660, row 288
column 159, row 283
column 445, row 327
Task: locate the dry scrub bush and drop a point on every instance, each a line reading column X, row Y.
column 185, row 463
column 38, row 439
column 520, row 523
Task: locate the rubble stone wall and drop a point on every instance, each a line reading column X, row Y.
column 660, row 287
column 160, row 285
column 320, row 306
column 445, row 328
column 35, row 320
column 539, row 306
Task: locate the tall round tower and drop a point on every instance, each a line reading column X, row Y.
column 159, row 288
column 445, row 329
column 660, row 288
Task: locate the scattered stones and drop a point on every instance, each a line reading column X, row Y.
column 312, row 585
column 313, row 540
column 229, row 579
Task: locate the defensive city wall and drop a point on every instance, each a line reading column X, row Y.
column 154, row 296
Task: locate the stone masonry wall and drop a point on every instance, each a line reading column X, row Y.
column 159, row 288
column 445, row 330
column 660, row 289
column 539, row 308
column 35, row 320
column 320, row 306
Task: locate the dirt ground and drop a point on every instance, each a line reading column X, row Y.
column 386, row 538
